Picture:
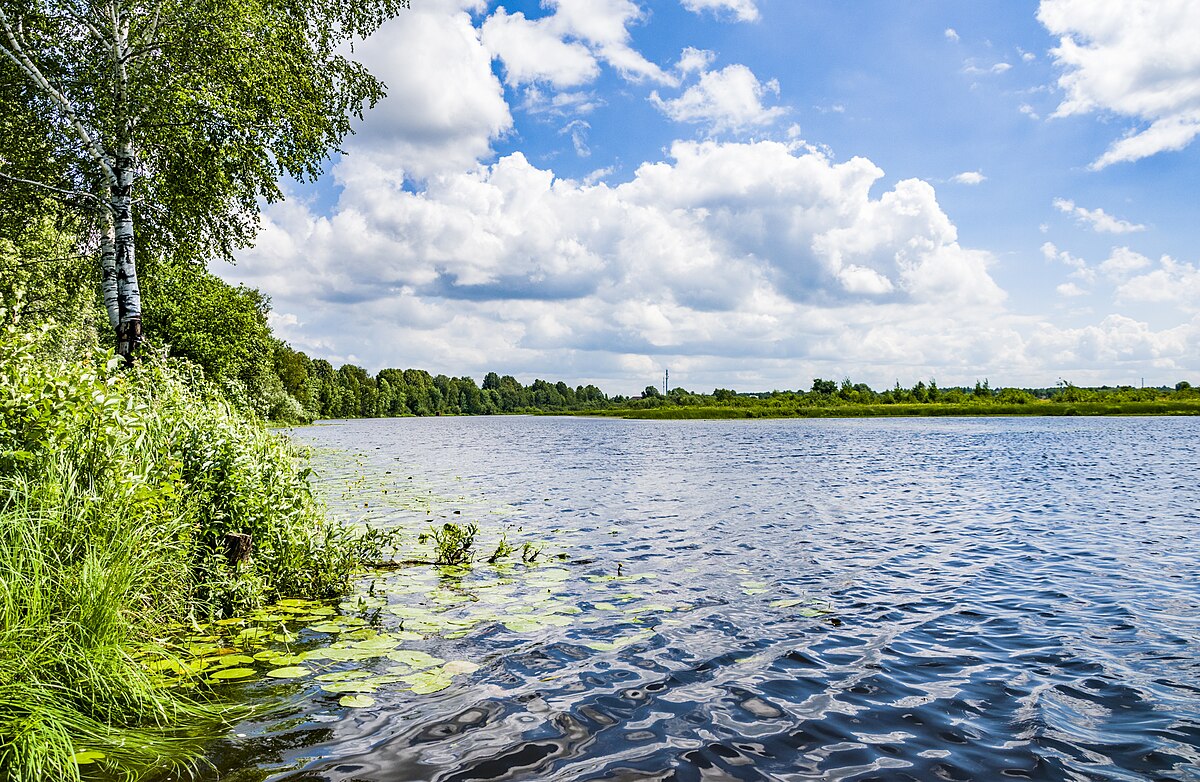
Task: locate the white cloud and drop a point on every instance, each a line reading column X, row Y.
column 1135, row 58
column 735, row 252
column 531, row 51
column 730, row 99
column 562, row 49
column 972, row 67
column 1079, row 267
column 1070, row 290
column 969, row 178
column 1172, row 282
column 951, row 34
column 741, row 10
column 1028, row 111
column 1096, row 219
column 1122, row 262
column 694, row 60
column 432, row 119
column 577, row 129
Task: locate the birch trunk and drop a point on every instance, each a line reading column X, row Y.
column 129, row 295
column 108, row 267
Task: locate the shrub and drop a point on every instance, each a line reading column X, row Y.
column 117, row 489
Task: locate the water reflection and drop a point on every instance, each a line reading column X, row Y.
column 954, row 599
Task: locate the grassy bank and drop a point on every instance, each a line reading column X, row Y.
column 1168, row 407
column 117, row 489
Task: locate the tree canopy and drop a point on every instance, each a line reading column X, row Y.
column 182, row 113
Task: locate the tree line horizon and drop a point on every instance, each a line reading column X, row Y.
column 350, row 391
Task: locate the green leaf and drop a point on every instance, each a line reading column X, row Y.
column 232, row 673
column 290, row 672
column 356, row 701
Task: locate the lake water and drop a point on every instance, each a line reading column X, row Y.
column 958, row 599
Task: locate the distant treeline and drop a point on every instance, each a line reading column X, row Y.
column 352, row 392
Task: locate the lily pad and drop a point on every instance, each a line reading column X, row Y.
column 414, row 659
column 87, row 757
column 290, row 672
column 356, row 701
column 342, row 676
column 232, row 673
column 788, row 603
column 431, row 681
column 455, row 667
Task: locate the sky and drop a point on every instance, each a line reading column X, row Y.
column 756, row 193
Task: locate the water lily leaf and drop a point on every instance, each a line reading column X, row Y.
column 812, row 613
column 555, row 620
column 604, row 606
column 788, row 603
column 414, row 659
column 356, row 701
column 327, row 627
column 754, row 584
column 341, row 676
column 343, row 654
column 756, row 590
column 455, row 667
column 290, row 672
column 232, row 673
column 87, row 756
column 656, row 607
column 618, row 643
column 285, row 659
column 522, row 624
column 362, row 685
column 431, row 681
column 383, row 643
column 229, row 660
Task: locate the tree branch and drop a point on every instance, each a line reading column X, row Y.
column 17, row 55
column 52, row 188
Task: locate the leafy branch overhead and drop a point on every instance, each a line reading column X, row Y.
column 175, row 117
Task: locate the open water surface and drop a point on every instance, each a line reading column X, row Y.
column 936, row 599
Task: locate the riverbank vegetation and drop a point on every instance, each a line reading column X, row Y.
column 119, row 489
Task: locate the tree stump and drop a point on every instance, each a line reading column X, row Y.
column 237, row 548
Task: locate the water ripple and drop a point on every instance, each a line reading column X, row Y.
column 973, row 599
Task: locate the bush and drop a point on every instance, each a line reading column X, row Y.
column 117, row 489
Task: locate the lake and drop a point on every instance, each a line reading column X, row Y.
column 958, row 599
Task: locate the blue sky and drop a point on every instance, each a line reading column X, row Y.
column 758, row 192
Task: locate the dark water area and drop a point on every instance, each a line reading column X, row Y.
column 955, row 599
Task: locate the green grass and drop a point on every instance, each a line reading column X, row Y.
column 117, row 487
column 672, row 412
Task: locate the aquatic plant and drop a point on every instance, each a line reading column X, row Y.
column 453, row 543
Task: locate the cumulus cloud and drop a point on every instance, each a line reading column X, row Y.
column 433, row 119
column 732, row 251
column 1122, row 262
column 730, row 99
column 1172, row 282
column 693, row 60
column 1137, row 59
column 532, row 51
column 969, row 178
column 951, row 34
column 1096, row 219
column 741, row 10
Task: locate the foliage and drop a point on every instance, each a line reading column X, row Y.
column 453, row 544
column 117, row 487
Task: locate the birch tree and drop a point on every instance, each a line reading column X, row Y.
column 169, row 121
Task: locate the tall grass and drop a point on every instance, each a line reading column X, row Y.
column 117, row 487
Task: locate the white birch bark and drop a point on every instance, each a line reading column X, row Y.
column 108, row 267
column 129, row 295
